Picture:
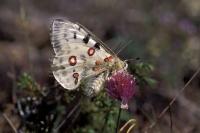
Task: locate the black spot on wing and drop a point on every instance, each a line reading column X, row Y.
column 61, row 20
column 82, row 56
column 76, row 81
column 97, row 45
column 86, row 39
column 79, row 28
column 75, row 35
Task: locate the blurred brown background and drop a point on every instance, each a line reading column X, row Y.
column 164, row 33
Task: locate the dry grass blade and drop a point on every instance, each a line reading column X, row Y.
column 173, row 99
column 24, row 20
column 12, row 76
column 10, row 123
column 171, row 121
column 71, row 112
column 129, row 129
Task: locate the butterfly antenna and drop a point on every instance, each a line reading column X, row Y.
column 117, row 47
column 123, row 47
column 131, row 59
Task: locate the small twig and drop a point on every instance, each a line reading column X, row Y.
column 173, row 99
column 12, row 76
column 145, row 114
column 171, row 121
column 10, row 123
column 71, row 112
column 129, row 129
column 150, row 127
column 131, row 120
column 75, row 117
column 26, row 32
column 179, row 93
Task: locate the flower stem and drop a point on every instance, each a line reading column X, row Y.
column 118, row 121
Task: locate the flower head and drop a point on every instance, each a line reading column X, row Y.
column 121, row 86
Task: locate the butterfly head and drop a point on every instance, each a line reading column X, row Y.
column 121, row 65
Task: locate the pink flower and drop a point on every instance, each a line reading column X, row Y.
column 121, row 86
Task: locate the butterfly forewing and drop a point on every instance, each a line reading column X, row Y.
column 65, row 33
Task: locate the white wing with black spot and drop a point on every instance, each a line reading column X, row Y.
column 78, row 54
column 65, row 33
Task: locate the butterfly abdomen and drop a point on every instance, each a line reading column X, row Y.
column 95, row 83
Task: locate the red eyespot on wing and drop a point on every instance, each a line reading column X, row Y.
column 91, row 51
column 106, row 59
column 72, row 60
column 111, row 57
column 98, row 62
column 96, row 69
column 75, row 75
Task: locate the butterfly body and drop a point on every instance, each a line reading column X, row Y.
column 79, row 55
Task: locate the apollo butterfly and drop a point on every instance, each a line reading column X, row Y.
column 80, row 56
